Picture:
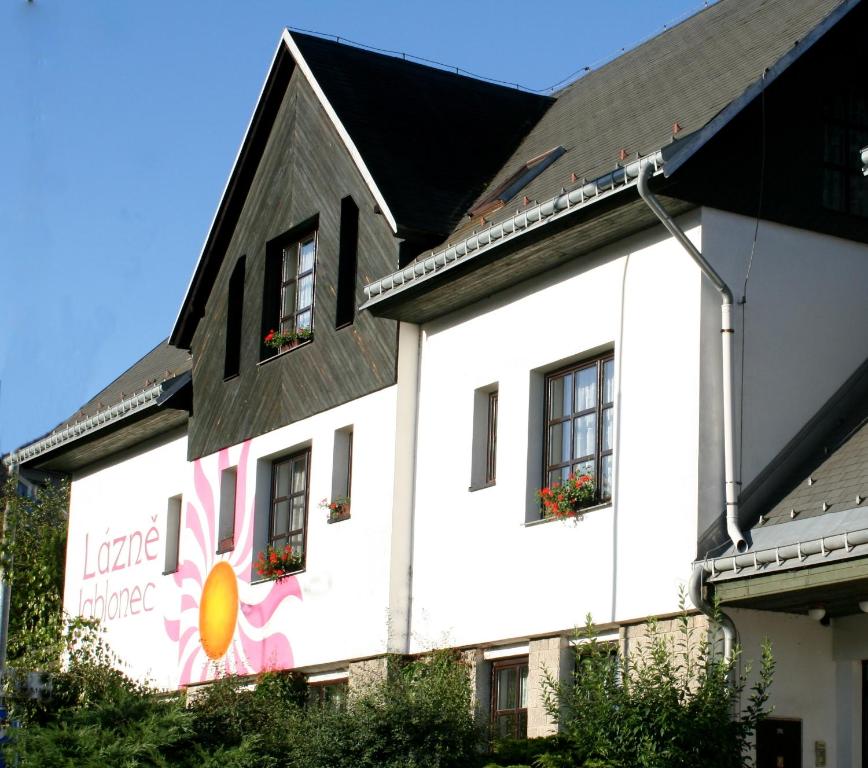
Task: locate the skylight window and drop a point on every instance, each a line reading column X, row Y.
column 510, row 187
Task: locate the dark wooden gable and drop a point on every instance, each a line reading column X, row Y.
column 303, row 174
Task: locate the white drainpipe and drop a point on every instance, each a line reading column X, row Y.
column 726, row 334
column 694, row 590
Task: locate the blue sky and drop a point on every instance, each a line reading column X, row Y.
column 119, row 125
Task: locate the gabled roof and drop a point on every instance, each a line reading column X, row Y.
column 699, row 75
column 809, row 497
column 426, row 141
column 686, row 75
column 150, row 382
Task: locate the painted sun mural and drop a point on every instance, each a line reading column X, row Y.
column 225, row 624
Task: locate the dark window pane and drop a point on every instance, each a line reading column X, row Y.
column 833, row 147
column 558, row 475
column 504, row 726
column 506, row 688
column 561, row 396
column 281, row 517
column 288, row 264
column 559, row 443
column 606, row 479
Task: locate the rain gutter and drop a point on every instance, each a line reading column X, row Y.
column 106, row 417
column 528, row 220
column 793, row 554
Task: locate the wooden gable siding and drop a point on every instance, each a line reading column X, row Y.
column 304, row 172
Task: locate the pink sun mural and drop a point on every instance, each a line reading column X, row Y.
column 225, row 625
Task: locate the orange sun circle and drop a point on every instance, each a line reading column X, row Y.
column 218, row 610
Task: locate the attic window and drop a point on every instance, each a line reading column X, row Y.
column 516, row 182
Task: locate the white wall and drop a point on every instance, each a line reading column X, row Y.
column 806, row 323
column 481, row 574
column 337, row 609
column 115, row 555
column 810, row 684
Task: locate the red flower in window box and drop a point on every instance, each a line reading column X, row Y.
column 337, row 510
column 564, row 500
column 283, row 341
column 278, row 563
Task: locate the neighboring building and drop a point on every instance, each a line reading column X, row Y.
column 524, row 316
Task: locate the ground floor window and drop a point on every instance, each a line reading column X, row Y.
column 509, row 698
column 331, row 695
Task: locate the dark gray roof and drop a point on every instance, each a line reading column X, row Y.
column 839, row 482
column 161, row 378
column 432, row 139
column 160, row 365
column 685, row 75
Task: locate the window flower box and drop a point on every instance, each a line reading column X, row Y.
column 278, row 563
column 285, row 341
column 337, row 510
column 565, row 500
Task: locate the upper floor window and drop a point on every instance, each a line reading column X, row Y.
column 289, row 500
column 296, row 288
column 845, row 129
column 483, row 466
column 579, row 424
column 289, row 289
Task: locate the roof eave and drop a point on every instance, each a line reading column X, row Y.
column 153, row 396
column 382, row 292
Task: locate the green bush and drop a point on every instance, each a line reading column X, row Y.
column 674, row 702
column 419, row 716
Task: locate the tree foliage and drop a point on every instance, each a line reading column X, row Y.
column 32, row 554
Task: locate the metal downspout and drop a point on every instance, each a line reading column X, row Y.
column 694, row 590
column 726, row 332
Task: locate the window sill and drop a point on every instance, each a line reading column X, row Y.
column 577, row 519
column 474, row 488
column 285, row 352
column 332, row 519
column 266, row 579
column 231, row 377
